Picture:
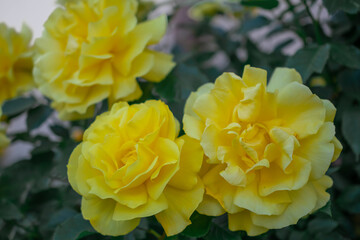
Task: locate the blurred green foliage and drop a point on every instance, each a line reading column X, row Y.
column 37, row 203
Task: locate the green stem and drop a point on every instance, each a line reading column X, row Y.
column 154, row 233
column 316, row 24
column 300, row 31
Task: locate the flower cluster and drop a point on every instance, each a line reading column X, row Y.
column 131, row 165
column 93, row 50
column 15, row 62
column 260, row 153
column 267, row 148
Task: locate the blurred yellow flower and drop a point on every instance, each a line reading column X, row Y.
column 15, row 62
column 268, row 148
column 131, row 165
column 92, row 50
column 209, row 8
column 205, row 9
column 4, row 141
column 318, row 82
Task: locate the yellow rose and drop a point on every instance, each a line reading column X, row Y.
column 93, row 50
column 268, row 148
column 4, row 141
column 130, row 165
column 15, row 62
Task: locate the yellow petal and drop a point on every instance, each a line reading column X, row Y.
column 100, row 213
column 210, row 206
column 250, row 199
column 191, row 158
column 142, row 64
column 154, row 28
column 320, row 186
column 252, row 76
column 302, row 203
column 300, row 110
column 182, row 205
column 189, row 105
column 193, row 127
column 242, row 222
column 132, row 198
column 219, row 189
column 231, row 83
column 249, row 107
column 282, row 77
column 211, row 141
column 338, row 149
column 330, row 110
column 274, row 179
column 318, row 149
column 152, row 207
column 162, row 66
column 169, row 155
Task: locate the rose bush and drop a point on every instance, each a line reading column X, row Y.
column 130, row 165
column 15, row 62
column 268, row 148
column 95, row 50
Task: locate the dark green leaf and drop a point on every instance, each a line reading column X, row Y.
column 351, row 130
column 18, row 105
column 60, row 131
column 346, row 55
column 61, row 216
column 350, row 83
column 38, row 116
column 72, row 228
column 324, row 225
column 267, row 4
column 326, row 209
column 8, row 211
column 349, row 6
column 253, row 24
column 309, row 60
column 349, row 199
column 220, row 230
column 200, row 225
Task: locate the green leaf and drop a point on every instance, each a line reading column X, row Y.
column 37, row 116
column 18, row 105
column 351, row 130
column 267, row 4
column 176, row 88
column 220, row 230
column 309, row 60
column 349, row 199
column 60, row 131
column 8, row 211
column 73, row 228
column 326, row 209
column 349, row 6
column 324, row 225
column 60, row 216
column 349, row 81
column 346, row 55
column 200, row 226
column 254, row 23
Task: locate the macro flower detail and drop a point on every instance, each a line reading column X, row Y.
column 131, row 165
column 267, row 148
column 15, row 62
column 93, row 50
